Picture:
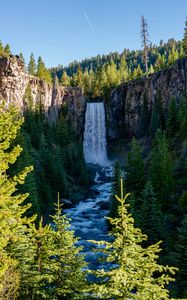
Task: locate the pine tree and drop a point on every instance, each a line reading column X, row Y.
column 135, row 272
column 42, row 72
column 65, row 79
column 150, row 217
column 79, row 78
column 32, row 65
column 184, row 41
column 145, row 42
column 123, row 70
column 66, row 262
column 161, row 170
column 135, row 178
column 7, row 51
column 151, row 69
column 12, row 208
column 181, row 259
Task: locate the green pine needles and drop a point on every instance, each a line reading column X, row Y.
column 136, row 273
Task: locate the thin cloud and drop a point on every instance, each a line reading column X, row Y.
column 89, row 23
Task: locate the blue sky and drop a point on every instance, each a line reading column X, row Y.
column 65, row 30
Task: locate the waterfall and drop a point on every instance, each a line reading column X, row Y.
column 95, row 134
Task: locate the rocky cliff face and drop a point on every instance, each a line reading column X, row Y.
column 124, row 105
column 14, row 82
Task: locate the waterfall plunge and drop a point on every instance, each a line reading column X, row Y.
column 95, row 134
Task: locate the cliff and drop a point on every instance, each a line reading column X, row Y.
column 124, row 105
column 14, row 82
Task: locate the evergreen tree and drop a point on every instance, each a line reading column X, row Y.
column 79, row 78
column 123, row 70
column 66, row 262
column 7, row 51
column 135, row 178
column 151, row 69
column 183, row 117
column 32, row 65
column 161, row 170
column 181, row 259
column 65, row 79
column 150, row 217
column 185, row 38
column 42, row 72
column 12, row 208
column 135, row 272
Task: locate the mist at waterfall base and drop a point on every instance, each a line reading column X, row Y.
column 95, row 144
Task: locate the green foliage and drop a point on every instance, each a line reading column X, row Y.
column 32, row 65
column 181, row 259
column 5, row 50
column 12, row 207
column 135, row 272
column 65, row 79
column 114, row 68
column 161, row 170
column 151, row 219
column 184, row 42
column 42, row 72
column 135, row 178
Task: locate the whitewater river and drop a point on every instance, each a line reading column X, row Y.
column 88, row 217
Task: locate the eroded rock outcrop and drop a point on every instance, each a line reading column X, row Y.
column 14, row 82
column 124, row 105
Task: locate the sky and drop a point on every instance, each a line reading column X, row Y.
column 62, row 31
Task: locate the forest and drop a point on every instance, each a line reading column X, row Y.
column 41, row 163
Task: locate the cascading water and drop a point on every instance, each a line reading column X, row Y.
column 95, row 134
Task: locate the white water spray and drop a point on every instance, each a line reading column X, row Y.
column 95, row 134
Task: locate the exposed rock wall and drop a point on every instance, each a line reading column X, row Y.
column 123, row 107
column 14, row 82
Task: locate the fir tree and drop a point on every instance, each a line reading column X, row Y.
column 65, row 79
column 181, row 259
column 184, row 41
column 161, row 170
column 7, row 51
column 135, row 178
column 150, row 217
column 12, row 208
column 32, row 65
column 66, row 262
column 42, row 72
column 135, row 272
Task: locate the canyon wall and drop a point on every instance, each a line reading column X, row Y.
column 124, row 105
column 14, row 82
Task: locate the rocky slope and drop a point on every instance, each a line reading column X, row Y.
column 14, row 82
column 124, row 104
